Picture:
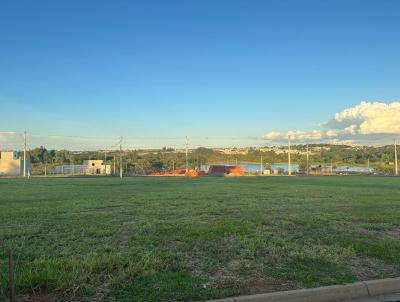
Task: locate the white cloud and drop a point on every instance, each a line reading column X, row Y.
column 367, row 120
column 352, row 129
column 8, row 141
column 331, row 133
column 347, row 142
column 4, row 136
column 299, row 135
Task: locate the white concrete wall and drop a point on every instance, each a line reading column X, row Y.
column 12, row 165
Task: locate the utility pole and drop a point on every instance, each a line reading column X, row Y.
column 105, row 162
column 261, row 166
column 115, row 171
column 24, row 154
column 307, row 161
column 289, row 163
column 187, row 161
column 396, row 170
column 331, row 167
column 120, row 157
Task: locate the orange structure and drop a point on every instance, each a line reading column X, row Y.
column 221, row 170
column 236, row 171
column 177, row 172
column 192, row 174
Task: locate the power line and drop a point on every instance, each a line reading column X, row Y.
column 58, row 141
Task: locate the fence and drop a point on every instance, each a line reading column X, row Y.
column 69, row 169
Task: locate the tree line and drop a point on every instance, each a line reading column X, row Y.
column 142, row 161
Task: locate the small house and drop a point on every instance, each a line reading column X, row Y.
column 13, row 165
column 96, row 166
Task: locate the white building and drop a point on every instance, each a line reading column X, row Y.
column 13, row 165
column 96, row 166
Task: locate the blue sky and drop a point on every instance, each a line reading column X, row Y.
column 162, row 70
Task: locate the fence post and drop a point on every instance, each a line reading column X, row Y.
column 11, row 276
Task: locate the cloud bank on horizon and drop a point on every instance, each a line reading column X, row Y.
column 373, row 123
column 365, row 121
column 5, row 135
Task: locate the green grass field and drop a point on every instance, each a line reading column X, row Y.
column 177, row 239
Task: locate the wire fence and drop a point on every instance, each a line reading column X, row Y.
column 68, row 169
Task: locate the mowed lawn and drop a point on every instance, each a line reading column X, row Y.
column 178, row 239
